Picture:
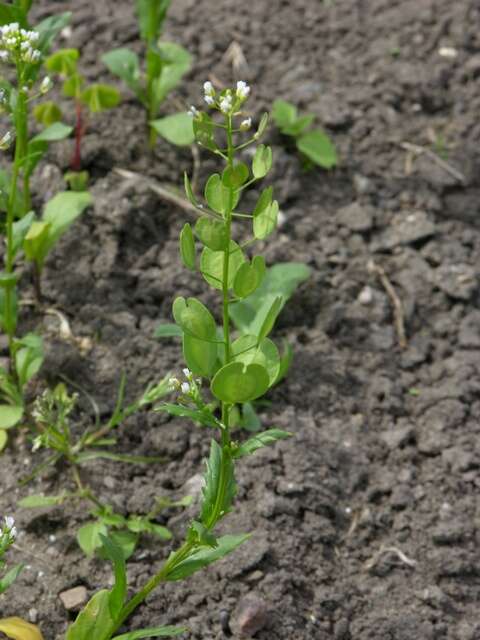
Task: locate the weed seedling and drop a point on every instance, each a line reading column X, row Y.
column 314, row 145
column 94, row 97
column 165, row 65
column 238, row 370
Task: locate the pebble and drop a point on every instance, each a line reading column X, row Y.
column 398, row 436
column 73, row 599
column 365, row 296
column 458, row 281
column 356, row 217
column 250, row 616
column 407, row 228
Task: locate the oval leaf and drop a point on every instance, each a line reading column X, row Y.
column 177, row 129
column 194, row 318
column 187, row 247
column 266, row 221
column 10, row 415
column 235, row 176
column 249, row 277
column 262, row 161
column 200, row 356
column 211, row 265
column 237, row 383
column 247, row 350
column 99, row 97
column 18, row 629
column 317, row 146
column 212, row 233
column 270, row 318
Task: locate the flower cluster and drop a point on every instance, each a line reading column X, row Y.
column 18, row 45
column 8, row 533
column 228, row 101
column 187, row 388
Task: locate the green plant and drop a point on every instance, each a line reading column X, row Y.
column 51, row 414
column 23, row 49
column 94, row 97
column 314, row 144
column 165, row 65
column 238, row 370
column 8, row 533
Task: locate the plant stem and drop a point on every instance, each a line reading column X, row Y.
column 76, row 163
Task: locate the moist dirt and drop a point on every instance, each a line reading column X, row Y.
column 365, row 524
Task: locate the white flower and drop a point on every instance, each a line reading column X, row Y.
column 9, row 522
column 6, row 141
column 226, row 104
column 174, row 383
column 185, row 387
column 209, row 100
column 187, row 373
column 243, row 90
column 13, row 532
column 208, row 88
column 246, row 124
column 193, row 112
column 46, row 85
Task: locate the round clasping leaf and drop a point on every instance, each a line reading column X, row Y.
column 249, row 277
column 236, row 382
column 211, row 265
column 212, row 233
column 194, row 318
column 246, row 349
column 235, row 176
column 262, row 161
column 266, row 221
column 187, row 247
column 200, row 356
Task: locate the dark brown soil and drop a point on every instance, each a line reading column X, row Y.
column 365, row 524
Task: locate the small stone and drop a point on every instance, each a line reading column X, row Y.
column 458, row 281
column 356, row 217
column 406, row 228
column 109, row 482
column 250, row 616
column 365, row 296
column 469, row 333
column 73, row 599
column 398, row 436
column 33, row 615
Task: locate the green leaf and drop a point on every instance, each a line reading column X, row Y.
column 100, row 97
column 89, row 536
column 220, row 487
column 262, row 161
column 284, row 114
column 236, row 382
column 53, row 133
column 204, row 416
column 261, row 440
column 211, row 265
column 150, row 18
column 262, row 126
column 3, row 439
column 119, row 592
column 9, row 14
column 72, row 86
column 205, row 556
column 177, row 129
column 218, row 196
column 265, row 222
column 36, row 241
column 77, row 180
column 168, row 330
column 212, row 233
column 203, row 129
column 194, row 318
column 37, row 501
column 296, row 128
column 126, row 541
column 249, row 276
column 94, row 621
column 152, row 632
column 28, row 357
column 47, row 113
column 280, row 280
column 318, row 147
column 285, row 362
column 126, row 65
column 200, row 356
column 63, row 62
column 176, row 62
column 200, row 535
column 49, row 28
column 270, row 318
column 9, row 578
column 263, row 202
column 20, row 230
column 87, row 456
column 187, row 247
column 247, row 350
column 234, row 177
column 189, row 190
column 250, row 419
column 139, row 524
column 10, row 415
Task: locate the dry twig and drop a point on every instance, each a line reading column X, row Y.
column 370, row 564
column 417, row 150
column 398, row 312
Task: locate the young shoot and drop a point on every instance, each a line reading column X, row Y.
column 94, row 98
column 237, row 370
column 165, row 63
column 314, row 145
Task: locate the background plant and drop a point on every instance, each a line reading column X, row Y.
column 164, row 66
column 238, row 370
column 314, row 144
column 52, row 417
column 95, row 98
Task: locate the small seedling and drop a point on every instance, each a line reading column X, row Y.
column 51, row 414
column 313, row 144
column 238, row 370
column 94, row 97
column 165, row 65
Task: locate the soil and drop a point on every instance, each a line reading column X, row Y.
column 365, row 524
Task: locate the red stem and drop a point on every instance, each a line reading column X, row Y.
column 76, row 163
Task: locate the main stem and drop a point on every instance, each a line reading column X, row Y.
column 187, row 547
